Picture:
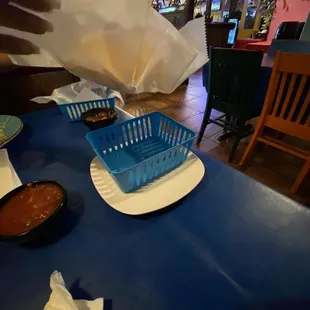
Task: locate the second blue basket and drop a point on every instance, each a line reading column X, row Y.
column 139, row 150
column 73, row 111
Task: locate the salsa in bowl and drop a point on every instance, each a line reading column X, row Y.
column 25, row 211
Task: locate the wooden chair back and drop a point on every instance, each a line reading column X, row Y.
column 287, row 103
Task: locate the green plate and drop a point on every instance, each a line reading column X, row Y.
column 10, row 127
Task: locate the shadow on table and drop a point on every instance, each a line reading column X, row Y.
column 300, row 304
column 63, row 224
column 51, row 155
column 184, row 200
column 172, row 207
column 21, row 141
column 45, row 153
column 160, row 212
column 78, row 292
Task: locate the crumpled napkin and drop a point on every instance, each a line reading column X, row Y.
column 61, row 299
column 81, row 91
column 8, row 176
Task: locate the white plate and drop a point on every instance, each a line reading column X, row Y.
column 153, row 196
column 10, row 127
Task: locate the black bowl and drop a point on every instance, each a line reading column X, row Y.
column 39, row 230
column 97, row 124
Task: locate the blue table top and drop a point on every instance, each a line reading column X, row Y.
column 232, row 243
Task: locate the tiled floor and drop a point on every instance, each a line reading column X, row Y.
column 186, row 105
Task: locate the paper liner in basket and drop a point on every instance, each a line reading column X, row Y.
column 124, row 45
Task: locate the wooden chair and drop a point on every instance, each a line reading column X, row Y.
column 232, row 75
column 286, row 108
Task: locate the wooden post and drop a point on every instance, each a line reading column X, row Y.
column 190, row 10
column 208, row 11
column 233, row 7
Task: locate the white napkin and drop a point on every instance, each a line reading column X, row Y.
column 61, row 299
column 81, row 91
column 85, row 94
column 8, row 176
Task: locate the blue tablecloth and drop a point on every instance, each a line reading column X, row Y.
column 232, row 243
column 260, row 89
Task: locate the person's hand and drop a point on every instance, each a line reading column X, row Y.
column 15, row 18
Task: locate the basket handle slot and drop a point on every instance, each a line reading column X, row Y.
column 145, row 128
column 149, row 126
column 129, row 132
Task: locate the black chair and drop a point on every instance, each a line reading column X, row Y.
column 233, row 77
column 289, row 30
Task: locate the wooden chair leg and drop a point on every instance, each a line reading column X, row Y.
column 248, row 151
column 204, row 123
column 234, row 148
column 252, row 144
column 302, row 174
column 227, row 120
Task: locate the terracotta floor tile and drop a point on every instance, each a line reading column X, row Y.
column 278, row 170
column 226, row 146
column 135, row 98
column 304, row 191
column 275, row 181
column 196, row 79
column 195, row 140
column 157, row 104
column 194, row 124
column 254, row 170
column 196, row 82
column 206, row 145
column 178, row 95
column 219, row 153
column 279, row 162
column 179, row 113
column 197, row 91
column 196, row 103
column 268, row 178
column 137, row 109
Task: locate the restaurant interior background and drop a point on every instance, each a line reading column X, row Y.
column 256, row 25
column 268, row 26
column 165, row 209
column 249, row 15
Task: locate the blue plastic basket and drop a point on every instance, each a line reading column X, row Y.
column 73, row 111
column 138, row 151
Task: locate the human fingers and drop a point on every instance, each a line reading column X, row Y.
column 15, row 18
column 38, row 5
column 17, row 46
